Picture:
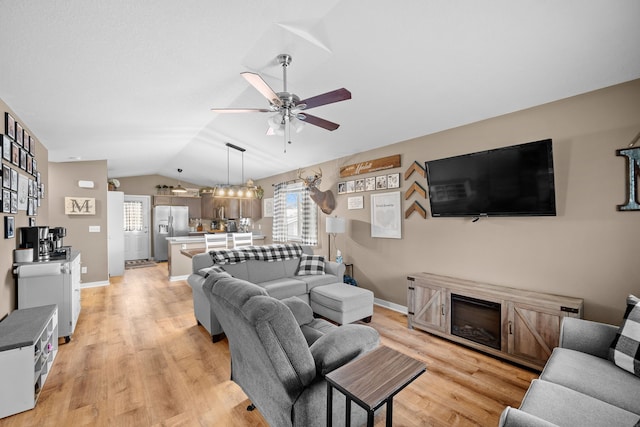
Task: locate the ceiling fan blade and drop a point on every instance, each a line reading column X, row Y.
column 261, row 86
column 317, row 121
column 240, row 110
column 326, row 98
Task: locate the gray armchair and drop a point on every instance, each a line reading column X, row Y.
column 280, row 353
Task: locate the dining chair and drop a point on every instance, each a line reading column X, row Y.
column 215, row 241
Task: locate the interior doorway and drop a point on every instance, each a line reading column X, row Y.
column 137, row 217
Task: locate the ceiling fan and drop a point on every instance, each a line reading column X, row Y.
column 288, row 106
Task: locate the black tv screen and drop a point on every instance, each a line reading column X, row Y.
column 510, row 181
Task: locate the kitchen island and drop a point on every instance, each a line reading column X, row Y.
column 179, row 264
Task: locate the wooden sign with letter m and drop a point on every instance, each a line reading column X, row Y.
column 79, row 206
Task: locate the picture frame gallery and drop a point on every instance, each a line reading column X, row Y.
column 22, row 189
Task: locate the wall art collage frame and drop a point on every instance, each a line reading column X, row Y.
column 372, row 183
column 22, row 189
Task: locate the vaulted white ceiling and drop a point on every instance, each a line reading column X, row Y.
column 133, row 81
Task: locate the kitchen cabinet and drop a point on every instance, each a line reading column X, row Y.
column 251, row 208
column 212, row 207
column 53, row 282
column 233, row 208
column 193, row 203
column 527, row 322
column 28, row 347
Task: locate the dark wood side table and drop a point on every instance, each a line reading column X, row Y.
column 373, row 380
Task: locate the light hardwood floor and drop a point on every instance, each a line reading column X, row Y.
column 137, row 358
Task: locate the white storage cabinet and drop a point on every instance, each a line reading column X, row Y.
column 54, row 282
column 28, row 347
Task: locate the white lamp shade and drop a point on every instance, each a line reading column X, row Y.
column 335, row 225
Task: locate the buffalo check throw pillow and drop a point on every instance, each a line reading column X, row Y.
column 310, row 265
column 625, row 348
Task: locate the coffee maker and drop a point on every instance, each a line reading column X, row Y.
column 38, row 239
column 56, row 236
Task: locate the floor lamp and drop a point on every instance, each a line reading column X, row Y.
column 334, row 225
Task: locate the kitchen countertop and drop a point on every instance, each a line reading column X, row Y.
column 198, row 239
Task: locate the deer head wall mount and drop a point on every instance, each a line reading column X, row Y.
column 324, row 199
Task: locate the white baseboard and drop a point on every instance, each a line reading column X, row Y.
column 390, row 305
column 176, row 278
column 94, row 284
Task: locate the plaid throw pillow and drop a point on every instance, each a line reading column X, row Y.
column 625, row 348
column 310, row 265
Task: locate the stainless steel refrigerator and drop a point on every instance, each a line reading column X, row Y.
column 168, row 221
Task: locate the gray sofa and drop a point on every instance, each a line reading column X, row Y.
column 579, row 386
column 280, row 353
column 278, row 278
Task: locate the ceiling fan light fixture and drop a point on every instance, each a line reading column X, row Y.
column 296, row 124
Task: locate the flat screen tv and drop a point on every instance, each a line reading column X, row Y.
column 510, row 181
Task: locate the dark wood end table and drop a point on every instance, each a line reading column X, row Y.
column 373, row 380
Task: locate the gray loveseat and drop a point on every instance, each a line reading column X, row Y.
column 280, row 353
column 277, row 277
column 579, row 386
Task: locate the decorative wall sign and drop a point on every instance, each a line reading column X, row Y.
column 386, row 215
column 633, row 168
column 415, row 207
column 371, row 166
column 356, row 202
column 79, row 206
column 415, row 188
column 415, row 167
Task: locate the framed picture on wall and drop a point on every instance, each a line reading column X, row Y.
column 6, row 201
column 32, row 222
column 9, row 227
column 386, row 215
column 267, row 205
column 25, row 140
column 15, row 154
column 9, row 125
column 19, row 133
column 6, row 176
column 6, row 148
column 393, row 180
column 370, row 183
column 14, row 202
column 14, row 180
column 381, row 182
column 23, row 159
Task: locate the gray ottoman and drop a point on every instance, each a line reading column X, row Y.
column 342, row 303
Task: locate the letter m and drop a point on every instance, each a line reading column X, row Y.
column 77, row 207
column 633, row 169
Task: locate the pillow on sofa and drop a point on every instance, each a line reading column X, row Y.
column 310, row 265
column 625, row 348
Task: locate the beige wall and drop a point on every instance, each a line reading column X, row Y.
column 8, row 295
column 588, row 250
column 93, row 246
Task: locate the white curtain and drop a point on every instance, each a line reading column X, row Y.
column 307, row 215
column 280, row 213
